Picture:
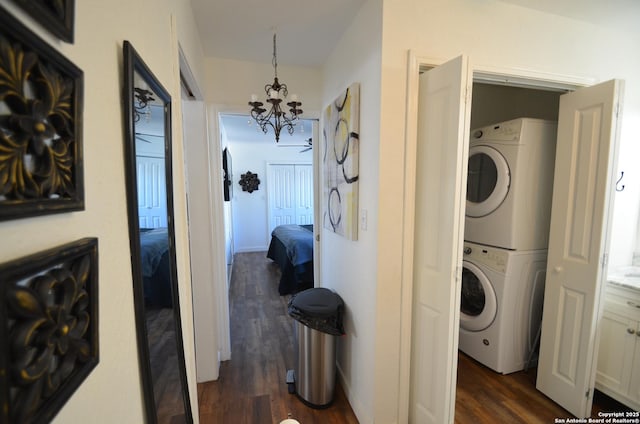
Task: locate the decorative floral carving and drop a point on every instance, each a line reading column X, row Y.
column 249, row 182
column 57, row 16
column 40, row 149
column 51, row 314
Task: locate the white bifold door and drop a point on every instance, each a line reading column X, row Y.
column 152, row 197
column 290, row 191
column 580, row 220
column 441, row 175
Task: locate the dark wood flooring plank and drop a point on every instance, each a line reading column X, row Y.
column 484, row 396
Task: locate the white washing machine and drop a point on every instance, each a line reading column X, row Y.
column 501, row 305
column 510, row 184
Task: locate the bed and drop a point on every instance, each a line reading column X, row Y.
column 155, row 263
column 291, row 247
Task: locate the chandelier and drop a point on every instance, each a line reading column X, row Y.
column 142, row 103
column 275, row 118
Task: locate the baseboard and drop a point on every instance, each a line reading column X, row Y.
column 359, row 410
column 252, row 249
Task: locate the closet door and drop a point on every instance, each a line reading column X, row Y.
column 441, row 178
column 290, row 192
column 281, row 186
column 152, row 208
column 304, row 194
column 580, row 219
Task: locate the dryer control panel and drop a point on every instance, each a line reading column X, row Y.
column 504, row 131
column 494, row 258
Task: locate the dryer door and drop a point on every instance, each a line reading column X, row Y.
column 478, row 303
column 488, row 181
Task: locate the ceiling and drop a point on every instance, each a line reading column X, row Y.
column 307, row 31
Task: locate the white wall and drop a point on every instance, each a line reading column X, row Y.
column 523, row 39
column 349, row 267
column 250, row 210
column 112, row 392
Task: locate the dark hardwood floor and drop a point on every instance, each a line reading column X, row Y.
column 484, row 396
column 251, row 388
column 163, row 355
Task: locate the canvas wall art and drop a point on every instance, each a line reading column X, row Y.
column 341, row 137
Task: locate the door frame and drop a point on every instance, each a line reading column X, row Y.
column 215, row 112
column 485, row 73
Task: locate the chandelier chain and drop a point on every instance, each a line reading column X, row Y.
column 274, row 61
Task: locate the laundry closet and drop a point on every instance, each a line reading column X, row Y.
column 505, row 254
column 509, row 189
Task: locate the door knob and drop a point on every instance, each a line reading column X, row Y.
column 631, row 331
column 558, row 269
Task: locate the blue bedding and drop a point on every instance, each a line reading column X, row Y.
column 153, row 244
column 291, row 248
column 298, row 242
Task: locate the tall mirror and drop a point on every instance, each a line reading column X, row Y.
column 151, row 230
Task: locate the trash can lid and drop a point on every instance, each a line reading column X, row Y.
column 318, row 308
column 318, row 302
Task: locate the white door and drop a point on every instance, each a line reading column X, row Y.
column 440, row 201
column 304, row 194
column 582, row 196
column 281, row 189
column 290, row 191
column 152, row 197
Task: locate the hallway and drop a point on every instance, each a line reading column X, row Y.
column 252, row 387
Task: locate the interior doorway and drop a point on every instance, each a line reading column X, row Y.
column 446, row 117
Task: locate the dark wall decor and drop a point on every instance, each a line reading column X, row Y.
column 41, row 96
column 57, row 16
column 158, row 324
column 48, row 328
column 227, row 184
column 249, row 182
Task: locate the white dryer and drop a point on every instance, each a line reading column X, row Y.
column 510, row 184
column 501, row 305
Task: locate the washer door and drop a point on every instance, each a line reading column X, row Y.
column 488, row 181
column 478, row 304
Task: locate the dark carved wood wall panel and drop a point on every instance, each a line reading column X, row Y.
column 49, row 329
column 41, row 96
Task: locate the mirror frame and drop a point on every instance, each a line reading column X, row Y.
column 134, row 63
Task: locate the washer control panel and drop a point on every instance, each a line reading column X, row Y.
column 505, row 131
column 494, row 258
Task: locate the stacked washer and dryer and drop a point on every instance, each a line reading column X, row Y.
column 509, row 190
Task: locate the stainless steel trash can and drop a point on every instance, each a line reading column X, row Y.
column 318, row 313
column 315, row 371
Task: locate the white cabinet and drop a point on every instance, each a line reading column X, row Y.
column 618, row 372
